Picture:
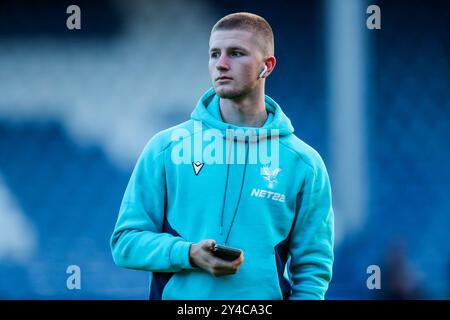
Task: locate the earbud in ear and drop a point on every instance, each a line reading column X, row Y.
column 263, row 72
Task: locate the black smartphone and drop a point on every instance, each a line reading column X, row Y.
column 226, row 253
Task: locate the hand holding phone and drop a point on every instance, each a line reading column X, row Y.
column 216, row 259
column 225, row 252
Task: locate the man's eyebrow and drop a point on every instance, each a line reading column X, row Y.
column 230, row 49
column 237, row 48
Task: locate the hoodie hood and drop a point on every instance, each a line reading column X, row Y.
column 276, row 119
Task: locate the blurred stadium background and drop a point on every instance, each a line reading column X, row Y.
column 77, row 107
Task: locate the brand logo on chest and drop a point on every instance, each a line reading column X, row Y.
column 270, row 177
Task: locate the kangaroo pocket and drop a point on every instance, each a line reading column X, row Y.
column 257, row 279
column 192, row 284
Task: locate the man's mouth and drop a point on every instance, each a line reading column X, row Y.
column 222, row 78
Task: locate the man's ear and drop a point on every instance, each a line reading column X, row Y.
column 270, row 63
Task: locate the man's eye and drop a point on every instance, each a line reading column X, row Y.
column 214, row 54
column 236, row 54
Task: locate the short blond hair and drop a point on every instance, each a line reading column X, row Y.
column 252, row 23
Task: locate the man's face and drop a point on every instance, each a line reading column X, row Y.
column 235, row 61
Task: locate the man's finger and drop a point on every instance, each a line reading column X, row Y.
column 208, row 244
column 238, row 261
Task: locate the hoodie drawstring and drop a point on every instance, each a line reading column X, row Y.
column 240, row 193
column 225, row 190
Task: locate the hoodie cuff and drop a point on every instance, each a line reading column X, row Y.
column 307, row 295
column 179, row 255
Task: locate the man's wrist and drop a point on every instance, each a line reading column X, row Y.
column 191, row 261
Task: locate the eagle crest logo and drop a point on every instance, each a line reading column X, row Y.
column 270, row 175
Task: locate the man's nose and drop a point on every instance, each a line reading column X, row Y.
column 222, row 63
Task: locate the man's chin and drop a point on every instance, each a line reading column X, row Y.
column 226, row 93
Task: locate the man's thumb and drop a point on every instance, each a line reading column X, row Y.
column 208, row 244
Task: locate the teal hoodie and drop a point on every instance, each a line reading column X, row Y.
column 280, row 216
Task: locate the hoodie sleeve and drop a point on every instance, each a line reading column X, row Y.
column 138, row 241
column 312, row 237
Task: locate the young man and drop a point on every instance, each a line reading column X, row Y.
column 179, row 203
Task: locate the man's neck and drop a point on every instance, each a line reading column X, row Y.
column 246, row 112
